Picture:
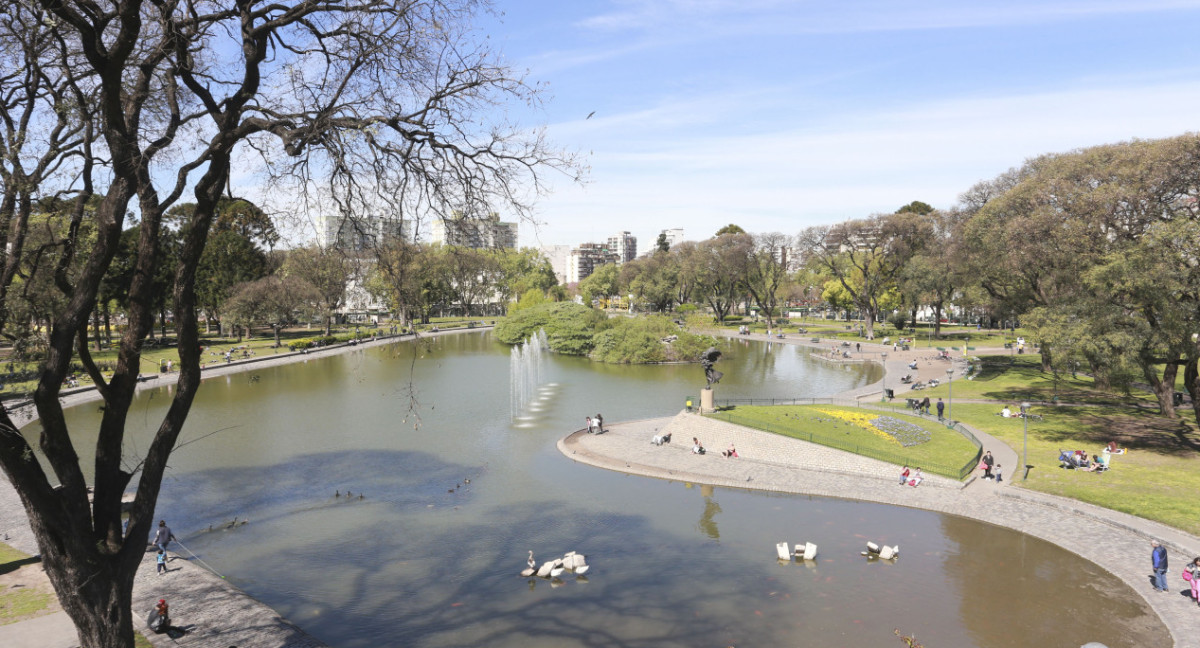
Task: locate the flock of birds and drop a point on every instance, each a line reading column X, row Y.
column 571, row 561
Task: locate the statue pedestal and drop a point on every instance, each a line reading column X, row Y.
column 706, row 400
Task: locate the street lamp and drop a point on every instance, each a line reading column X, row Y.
column 883, row 357
column 1025, row 439
column 950, row 405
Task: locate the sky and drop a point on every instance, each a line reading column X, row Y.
column 778, row 115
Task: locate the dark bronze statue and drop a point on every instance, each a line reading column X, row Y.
column 707, row 360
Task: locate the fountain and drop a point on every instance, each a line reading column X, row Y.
column 525, row 372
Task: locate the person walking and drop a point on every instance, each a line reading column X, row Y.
column 599, row 424
column 941, row 407
column 162, row 561
column 988, row 462
column 1193, row 568
column 1158, row 560
column 163, row 535
column 925, row 405
column 590, row 426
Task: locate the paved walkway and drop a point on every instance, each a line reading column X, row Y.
column 1116, row 541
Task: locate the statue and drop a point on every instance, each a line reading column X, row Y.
column 707, row 360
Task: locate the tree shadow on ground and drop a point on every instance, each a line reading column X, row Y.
column 1175, row 437
column 10, row 567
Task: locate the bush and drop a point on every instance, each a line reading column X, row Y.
column 569, row 327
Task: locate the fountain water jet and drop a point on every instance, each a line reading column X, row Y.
column 525, row 372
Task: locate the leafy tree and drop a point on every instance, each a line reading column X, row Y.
column 228, row 259
column 721, row 269
column 473, row 275
column 328, row 271
column 653, row 280
column 864, row 256
column 730, row 229
column 662, row 244
column 523, row 270
column 603, row 283
column 766, row 274
column 347, row 103
column 916, row 207
column 275, row 301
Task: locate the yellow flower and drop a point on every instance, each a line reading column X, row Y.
column 862, row 420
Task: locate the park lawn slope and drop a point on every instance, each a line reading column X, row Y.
column 1157, row 479
column 1015, row 378
column 945, row 453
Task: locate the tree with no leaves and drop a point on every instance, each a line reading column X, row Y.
column 137, row 104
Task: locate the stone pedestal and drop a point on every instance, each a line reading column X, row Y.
column 706, row 400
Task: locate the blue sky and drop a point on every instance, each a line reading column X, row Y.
column 778, row 115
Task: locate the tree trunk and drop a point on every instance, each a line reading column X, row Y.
column 1047, row 357
column 1164, row 387
column 328, row 323
column 869, row 320
column 937, row 321
column 100, row 608
column 96, row 329
column 276, row 328
column 1191, row 383
column 107, row 324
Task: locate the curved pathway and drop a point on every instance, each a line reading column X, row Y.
column 1116, row 541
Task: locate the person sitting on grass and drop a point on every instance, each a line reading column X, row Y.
column 1112, row 448
column 1006, row 412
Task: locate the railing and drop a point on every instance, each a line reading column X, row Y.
column 834, row 441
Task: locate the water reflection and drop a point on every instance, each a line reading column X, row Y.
column 427, row 558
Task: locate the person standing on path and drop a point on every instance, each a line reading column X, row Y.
column 163, row 535
column 925, row 405
column 599, row 424
column 941, row 407
column 162, row 561
column 988, row 462
column 1193, row 568
column 1158, row 560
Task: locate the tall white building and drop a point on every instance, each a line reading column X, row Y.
column 624, row 245
column 357, row 233
column 479, row 233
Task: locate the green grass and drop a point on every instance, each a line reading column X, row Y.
column 946, row 453
column 950, row 336
column 20, row 603
column 9, row 555
column 1013, row 379
column 1157, row 479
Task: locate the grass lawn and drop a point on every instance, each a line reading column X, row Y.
column 1157, row 479
column 1013, row 379
column 847, row 428
column 950, row 336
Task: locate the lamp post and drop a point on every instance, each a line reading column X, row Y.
column 950, row 397
column 1025, row 439
column 883, row 357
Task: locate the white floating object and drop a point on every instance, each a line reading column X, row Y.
column 544, row 570
column 527, row 572
column 810, row 551
column 556, row 572
column 886, row 553
column 872, row 547
column 580, row 571
column 576, row 562
column 782, row 549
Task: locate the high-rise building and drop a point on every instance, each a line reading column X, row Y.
column 624, row 245
column 584, row 260
column 479, row 233
column 357, row 233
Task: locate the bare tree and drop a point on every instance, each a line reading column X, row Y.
column 366, row 98
column 274, row 301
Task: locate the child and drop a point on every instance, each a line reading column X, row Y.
column 162, row 561
column 996, row 471
column 904, row 475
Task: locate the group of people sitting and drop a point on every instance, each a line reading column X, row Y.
column 1008, row 412
column 1078, row 460
column 698, row 448
column 911, row 477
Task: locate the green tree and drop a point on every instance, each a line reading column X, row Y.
column 276, row 301
column 767, row 274
column 721, row 269
column 328, row 271
column 228, row 259
column 602, row 284
column 662, row 244
column 730, row 229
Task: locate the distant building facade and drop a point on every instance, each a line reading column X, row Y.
column 477, row 233
column 673, row 236
column 624, row 245
column 358, row 233
column 584, row 260
column 558, row 255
